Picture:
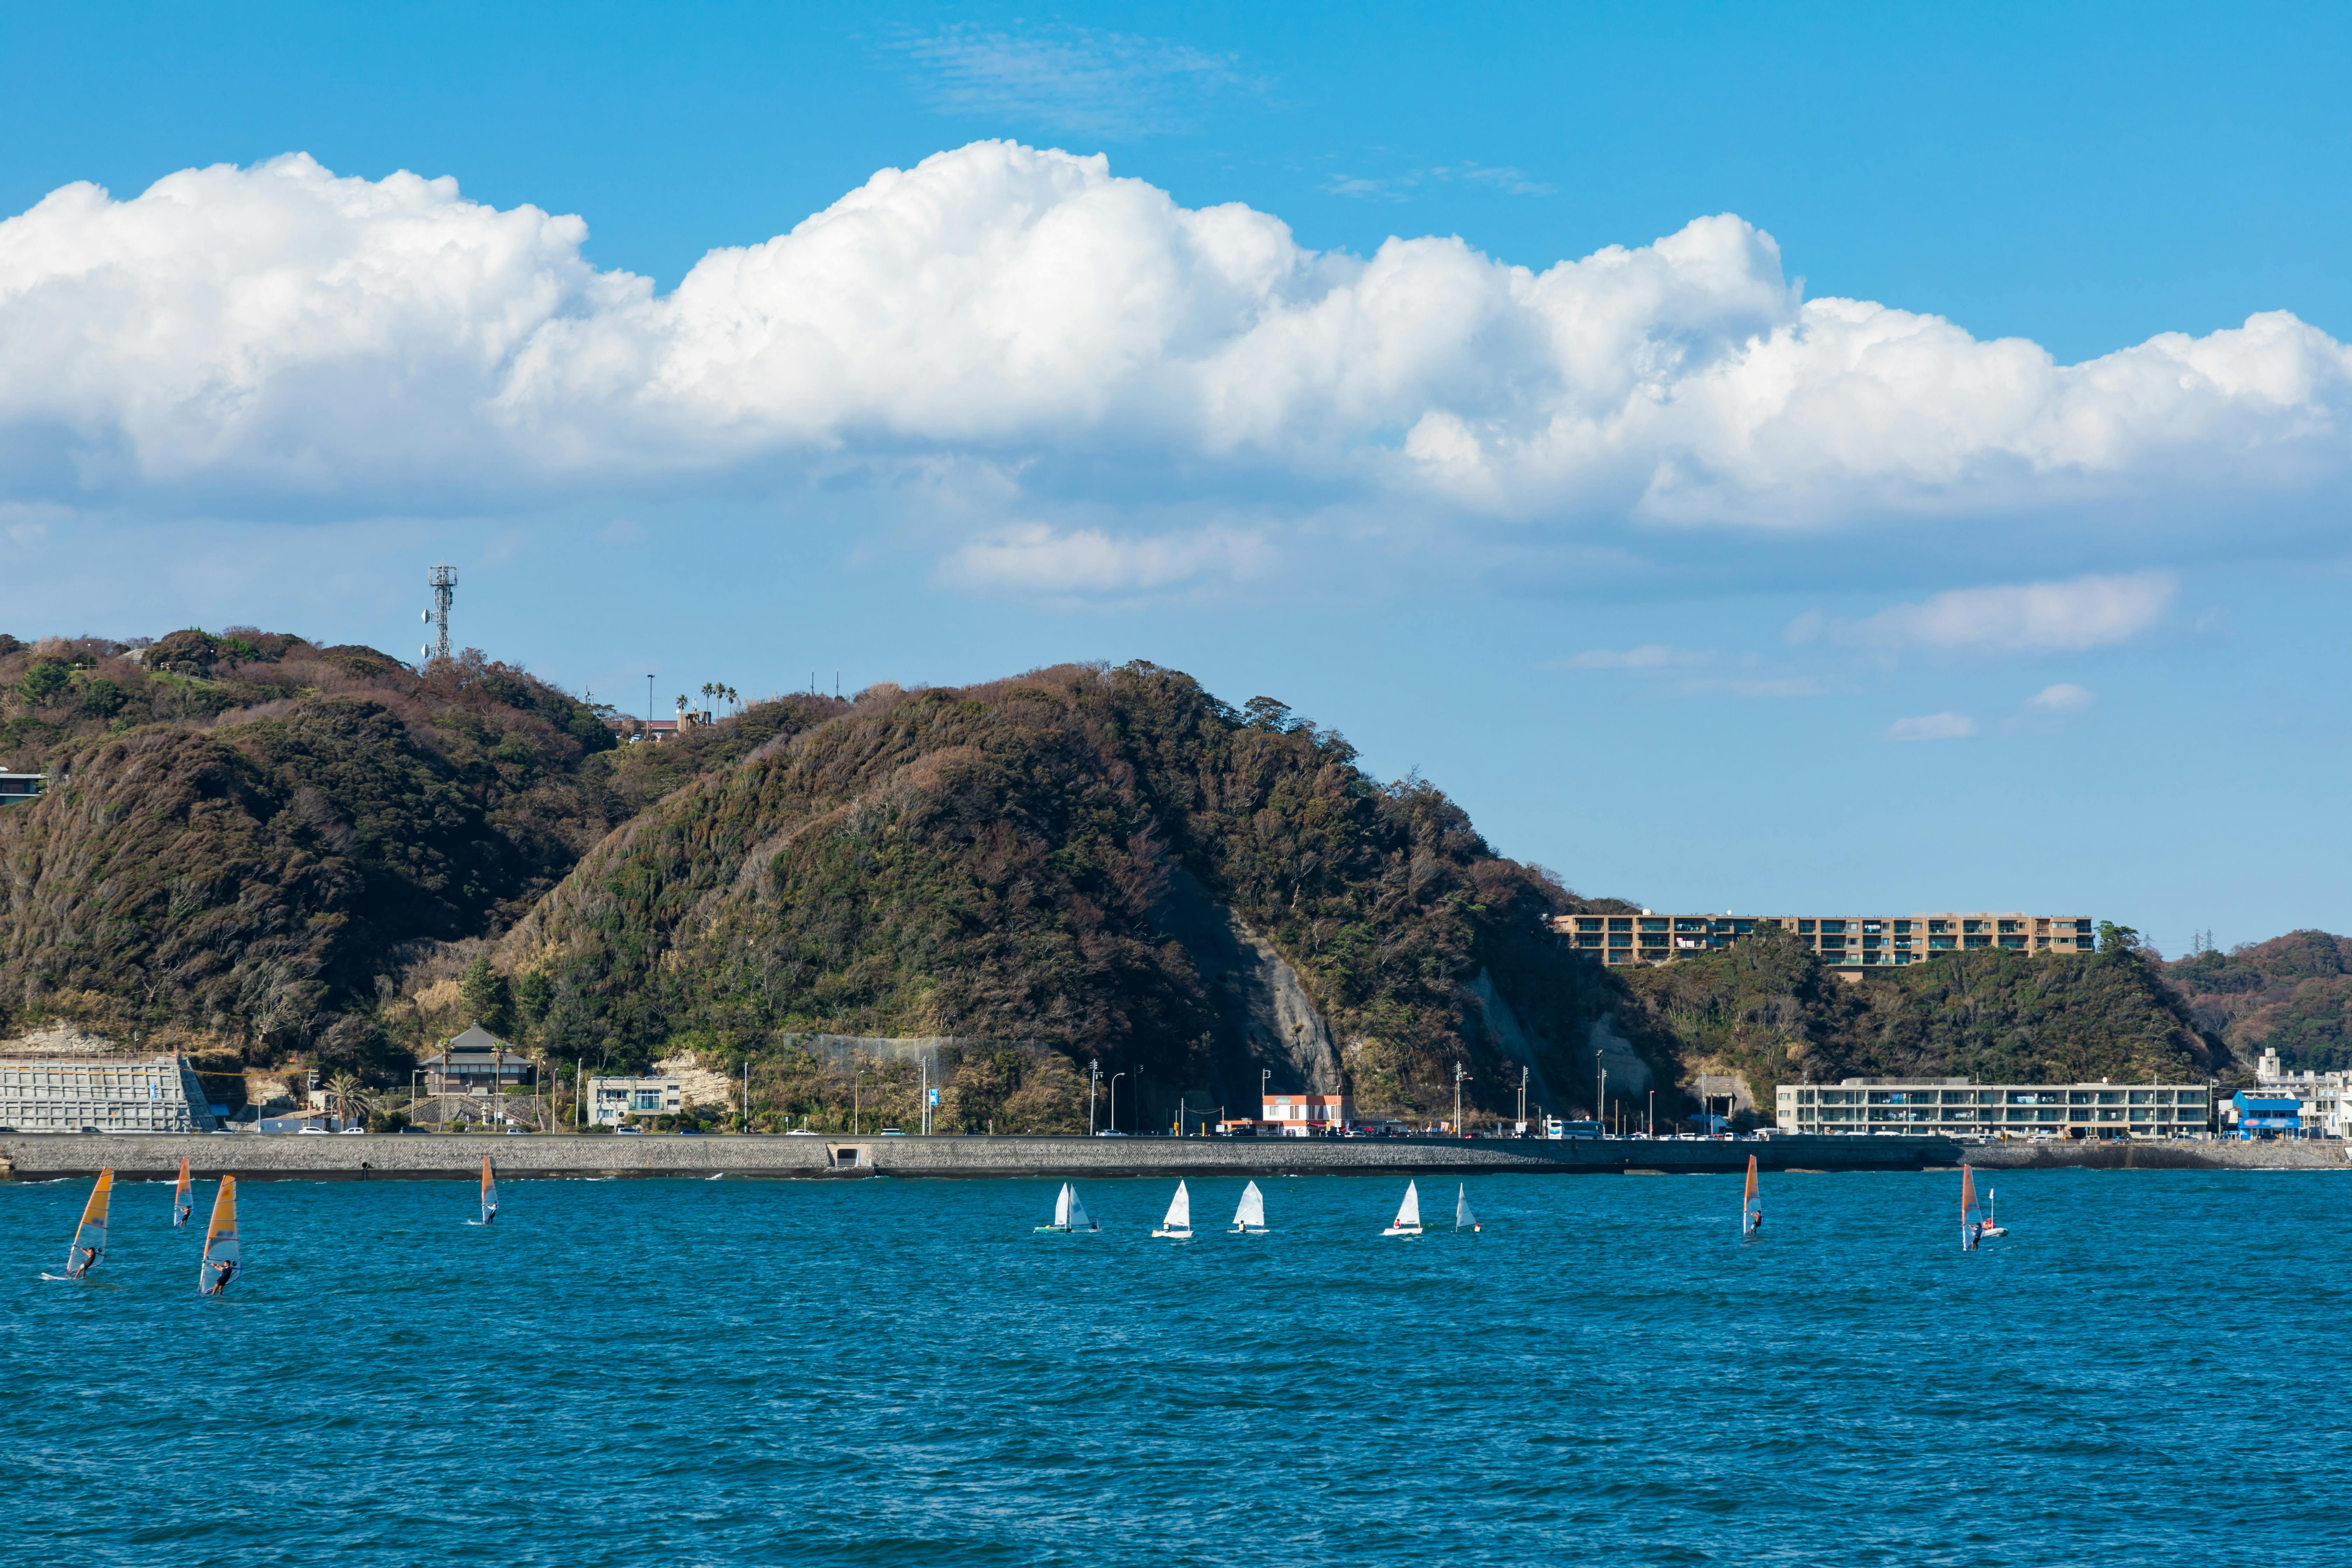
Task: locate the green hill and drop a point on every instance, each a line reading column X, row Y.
column 2292, row 993
column 1111, row 860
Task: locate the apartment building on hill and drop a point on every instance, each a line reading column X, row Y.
column 1850, row 945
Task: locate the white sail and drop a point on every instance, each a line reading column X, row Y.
column 1462, row 1215
column 1409, row 1215
column 1062, row 1208
column 1078, row 1220
column 1251, row 1215
column 1180, row 1211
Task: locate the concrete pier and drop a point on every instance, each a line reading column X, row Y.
column 449, row 1156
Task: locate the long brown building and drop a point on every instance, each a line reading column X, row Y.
column 1851, row 944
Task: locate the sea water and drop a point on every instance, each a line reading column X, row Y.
column 884, row 1371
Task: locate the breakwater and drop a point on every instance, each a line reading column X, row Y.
column 250, row 1156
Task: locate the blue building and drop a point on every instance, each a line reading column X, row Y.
column 2259, row 1115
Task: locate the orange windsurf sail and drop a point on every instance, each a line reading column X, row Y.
column 89, row 1237
column 223, row 1258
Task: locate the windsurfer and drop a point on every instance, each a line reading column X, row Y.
column 88, row 1257
column 223, row 1272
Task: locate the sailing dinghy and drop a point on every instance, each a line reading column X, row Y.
column 1462, row 1215
column 1178, row 1225
column 223, row 1258
column 1408, row 1219
column 1972, row 1221
column 489, row 1192
column 1069, row 1214
column 1751, row 1204
column 1992, row 1215
column 1249, row 1219
column 89, row 1237
column 183, row 1201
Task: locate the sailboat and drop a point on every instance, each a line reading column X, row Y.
column 223, row 1258
column 1178, row 1225
column 1972, row 1222
column 183, row 1201
column 1751, row 1204
column 1249, row 1218
column 1462, row 1215
column 1408, row 1219
column 489, row 1192
column 89, row 1237
column 1992, row 1216
column 1069, row 1214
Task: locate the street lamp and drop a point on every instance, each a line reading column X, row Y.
column 1114, row 1100
column 1460, row 1077
column 1093, row 1077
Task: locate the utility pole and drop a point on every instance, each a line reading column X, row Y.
column 1650, row 1123
column 1523, row 1094
column 1093, row 1077
column 1459, row 1078
column 1600, row 1082
column 746, row 1094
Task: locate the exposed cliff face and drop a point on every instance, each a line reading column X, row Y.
column 1265, row 1018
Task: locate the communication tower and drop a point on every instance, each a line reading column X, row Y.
column 444, row 583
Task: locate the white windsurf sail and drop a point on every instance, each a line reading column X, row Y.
column 89, row 1237
column 184, row 1199
column 1462, row 1215
column 223, row 1258
column 1408, row 1216
column 1179, row 1220
column 1251, row 1215
column 489, row 1192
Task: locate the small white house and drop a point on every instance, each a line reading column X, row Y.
column 612, row 1101
column 1300, row 1115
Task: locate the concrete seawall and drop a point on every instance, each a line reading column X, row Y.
column 141, row 1156
column 45, row 1156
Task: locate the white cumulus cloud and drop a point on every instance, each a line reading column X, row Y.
column 1037, row 560
column 250, row 336
column 1933, row 727
column 2064, row 697
column 2027, row 617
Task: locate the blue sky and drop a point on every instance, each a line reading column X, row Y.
column 1688, row 578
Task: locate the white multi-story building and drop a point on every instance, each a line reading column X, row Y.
column 1953, row 1106
column 2327, row 1097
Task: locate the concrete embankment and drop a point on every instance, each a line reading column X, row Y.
column 44, row 1156
column 137, row 1156
column 2200, row 1154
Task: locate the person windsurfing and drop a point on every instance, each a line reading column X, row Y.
column 223, row 1272
column 80, row 1269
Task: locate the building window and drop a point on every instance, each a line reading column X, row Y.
column 1967, row 926
column 2006, row 925
column 1620, row 923
column 1805, row 925
column 1976, row 942
column 2012, row 941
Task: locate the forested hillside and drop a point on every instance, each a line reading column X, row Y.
column 246, row 837
column 1006, row 860
column 2292, row 993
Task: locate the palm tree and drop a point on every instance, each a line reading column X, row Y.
column 734, row 700
column 348, row 1096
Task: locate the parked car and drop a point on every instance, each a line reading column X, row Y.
column 308, row 1130
column 892, row 1132
column 802, row 1132
column 630, row 1131
column 347, row 1131
column 517, row 1131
